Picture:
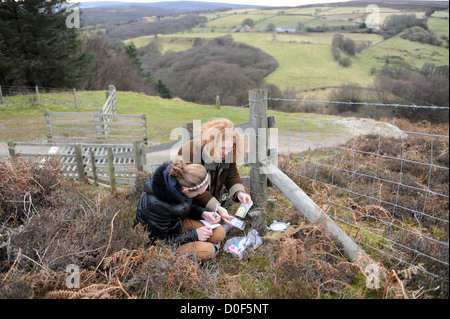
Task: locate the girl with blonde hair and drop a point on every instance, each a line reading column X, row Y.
column 218, row 149
column 167, row 210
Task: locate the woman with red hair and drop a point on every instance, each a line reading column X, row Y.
column 218, row 149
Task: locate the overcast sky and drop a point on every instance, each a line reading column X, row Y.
column 274, row 3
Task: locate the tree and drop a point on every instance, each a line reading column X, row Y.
column 132, row 52
column 219, row 67
column 248, row 22
column 411, row 86
column 271, row 27
column 351, row 92
column 349, row 46
column 163, row 90
column 345, row 44
column 114, row 65
column 36, row 46
column 394, row 24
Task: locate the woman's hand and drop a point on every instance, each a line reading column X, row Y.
column 244, row 198
column 209, row 216
column 203, row 233
column 225, row 216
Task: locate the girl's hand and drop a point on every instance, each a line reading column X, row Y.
column 209, row 216
column 244, row 198
column 225, row 216
column 203, row 233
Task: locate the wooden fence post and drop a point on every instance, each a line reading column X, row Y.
column 272, row 153
column 75, row 98
column 112, row 176
column 48, row 125
column 38, row 99
column 218, row 105
column 1, row 95
column 99, row 126
column 137, row 148
column 258, row 121
column 94, row 168
column 190, row 128
column 80, row 162
column 114, row 98
column 144, row 128
column 11, row 149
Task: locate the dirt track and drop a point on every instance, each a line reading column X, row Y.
column 288, row 142
column 296, row 142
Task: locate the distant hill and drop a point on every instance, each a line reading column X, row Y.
column 176, row 5
column 398, row 4
column 116, row 14
column 100, row 12
column 100, row 4
column 198, row 6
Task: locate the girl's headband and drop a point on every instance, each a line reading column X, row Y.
column 199, row 185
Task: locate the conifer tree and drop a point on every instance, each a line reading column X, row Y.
column 163, row 90
column 37, row 47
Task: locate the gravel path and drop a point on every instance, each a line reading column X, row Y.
column 296, row 142
column 291, row 141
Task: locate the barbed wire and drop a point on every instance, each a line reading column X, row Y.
column 433, row 107
column 400, row 233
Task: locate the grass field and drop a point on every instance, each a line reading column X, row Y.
column 412, row 52
column 289, row 17
column 439, row 25
column 21, row 119
column 305, row 60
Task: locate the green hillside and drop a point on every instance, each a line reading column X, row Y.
column 412, row 52
column 22, row 120
column 305, row 59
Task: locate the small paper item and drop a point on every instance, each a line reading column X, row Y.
column 238, row 223
column 207, row 223
column 235, row 250
column 243, row 210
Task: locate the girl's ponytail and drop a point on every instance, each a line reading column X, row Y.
column 188, row 175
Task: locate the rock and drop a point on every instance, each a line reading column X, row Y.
column 274, row 236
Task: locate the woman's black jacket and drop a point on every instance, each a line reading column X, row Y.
column 162, row 213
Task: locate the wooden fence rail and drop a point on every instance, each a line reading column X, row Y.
column 94, row 126
column 110, row 106
column 314, row 214
column 97, row 126
column 105, row 165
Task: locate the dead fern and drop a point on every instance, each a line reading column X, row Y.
column 292, row 251
column 184, row 274
column 124, row 261
column 410, row 271
column 25, row 185
column 94, row 291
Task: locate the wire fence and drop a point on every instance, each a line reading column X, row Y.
column 37, row 95
column 387, row 188
column 8, row 91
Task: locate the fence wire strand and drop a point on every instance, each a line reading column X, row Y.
column 385, row 187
